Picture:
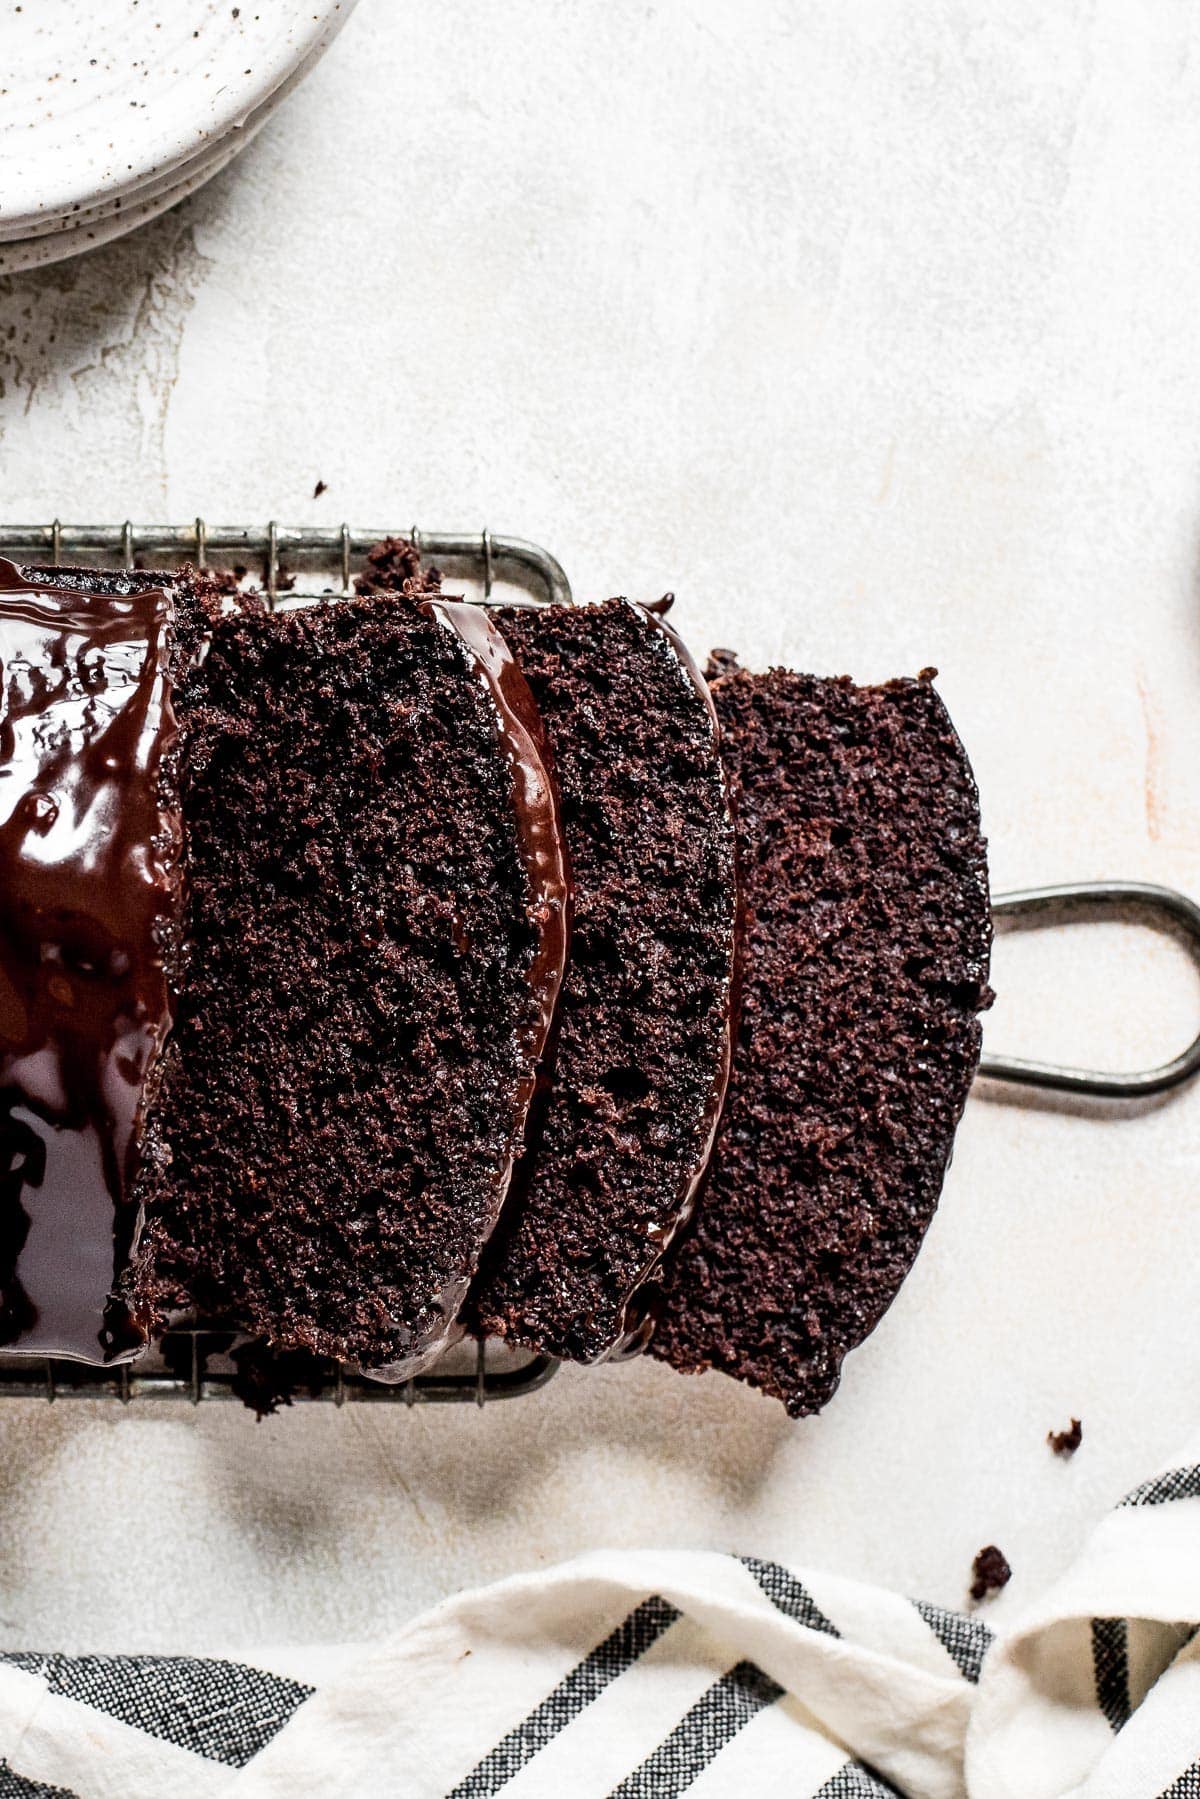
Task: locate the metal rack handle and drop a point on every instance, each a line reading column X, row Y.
column 1043, row 905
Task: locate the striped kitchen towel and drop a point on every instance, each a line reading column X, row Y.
column 649, row 1674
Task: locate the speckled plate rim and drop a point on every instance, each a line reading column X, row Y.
column 44, row 185
column 133, row 207
column 213, row 157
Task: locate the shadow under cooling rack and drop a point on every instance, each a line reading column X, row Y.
column 198, row 1366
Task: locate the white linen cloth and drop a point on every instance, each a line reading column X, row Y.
column 643, row 1675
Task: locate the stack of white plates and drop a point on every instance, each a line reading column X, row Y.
column 112, row 110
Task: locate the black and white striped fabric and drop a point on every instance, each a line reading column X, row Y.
column 645, row 1675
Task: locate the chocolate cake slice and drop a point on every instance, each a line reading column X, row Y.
column 375, row 934
column 864, row 961
column 642, row 1052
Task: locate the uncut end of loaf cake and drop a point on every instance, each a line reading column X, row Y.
column 91, row 895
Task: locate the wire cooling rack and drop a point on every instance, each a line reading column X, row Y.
column 292, row 565
column 196, row 1365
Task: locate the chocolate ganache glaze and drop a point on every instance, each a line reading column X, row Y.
column 90, row 884
column 543, row 852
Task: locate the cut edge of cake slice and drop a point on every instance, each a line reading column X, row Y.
column 642, row 1052
column 863, row 968
column 375, row 882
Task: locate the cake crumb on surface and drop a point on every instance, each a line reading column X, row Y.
column 991, row 1572
column 1066, row 1442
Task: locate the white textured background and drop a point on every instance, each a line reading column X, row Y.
column 874, row 331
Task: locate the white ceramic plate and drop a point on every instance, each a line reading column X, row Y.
column 102, row 98
column 133, row 206
column 110, row 219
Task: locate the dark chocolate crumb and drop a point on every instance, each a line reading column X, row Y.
column 721, row 662
column 394, row 566
column 224, row 581
column 991, row 1571
column 267, row 1378
column 1066, row 1442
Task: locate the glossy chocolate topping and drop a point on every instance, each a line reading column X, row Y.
column 89, row 885
column 541, row 842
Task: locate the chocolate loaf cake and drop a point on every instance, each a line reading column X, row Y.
column 374, row 930
column 642, row 1050
column 864, row 959
column 286, row 1042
